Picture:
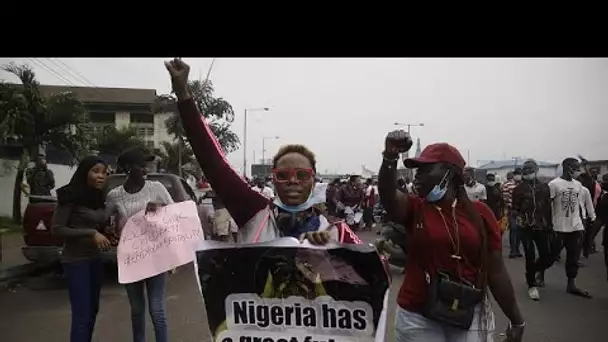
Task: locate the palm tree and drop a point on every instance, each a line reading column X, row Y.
column 217, row 111
column 33, row 121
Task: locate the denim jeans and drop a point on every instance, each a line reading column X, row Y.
column 536, row 240
column 514, row 235
column 414, row 327
column 84, row 287
column 155, row 286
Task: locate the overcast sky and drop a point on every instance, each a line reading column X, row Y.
column 491, row 109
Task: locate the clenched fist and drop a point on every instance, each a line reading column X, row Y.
column 179, row 71
column 397, row 142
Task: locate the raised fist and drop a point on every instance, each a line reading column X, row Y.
column 179, row 71
column 398, row 142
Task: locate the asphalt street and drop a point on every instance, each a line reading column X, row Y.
column 38, row 310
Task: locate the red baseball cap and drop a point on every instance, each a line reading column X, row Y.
column 437, row 153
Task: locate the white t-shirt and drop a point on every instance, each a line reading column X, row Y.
column 565, row 205
column 127, row 204
column 477, row 192
column 266, row 191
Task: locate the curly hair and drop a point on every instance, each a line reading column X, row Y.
column 299, row 149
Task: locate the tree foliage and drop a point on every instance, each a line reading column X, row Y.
column 169, row 156
column 113, row 141
column 218, row 112
column 31, row 120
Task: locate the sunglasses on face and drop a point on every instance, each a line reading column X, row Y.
column 285, row 175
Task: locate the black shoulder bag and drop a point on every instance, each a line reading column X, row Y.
column 451, row 300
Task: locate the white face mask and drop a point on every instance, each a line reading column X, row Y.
column 517, row 178
column 491, row 183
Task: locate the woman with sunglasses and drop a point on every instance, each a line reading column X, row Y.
column 290, row 213
column 454, row 250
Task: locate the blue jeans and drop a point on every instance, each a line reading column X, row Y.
column 514, row 235
column 84, row 287
column 155, row 286
column 414, row 327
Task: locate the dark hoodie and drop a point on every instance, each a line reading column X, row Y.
column 80, row 213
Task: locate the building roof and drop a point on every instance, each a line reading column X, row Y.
column 510, row 164
column 104, row 95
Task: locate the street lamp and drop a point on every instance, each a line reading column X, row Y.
column 409, row 128
column 264, row 109
column 264, row 147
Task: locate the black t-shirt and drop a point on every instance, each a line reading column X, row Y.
column 602, row 207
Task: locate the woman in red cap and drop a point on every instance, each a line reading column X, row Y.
column 455, row 250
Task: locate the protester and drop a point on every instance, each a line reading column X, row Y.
column 135, row 195
column 369, row 203
column 40, row 179
column 352, row 194
column 494, row 193
column 451, row 240
column 602, row 217
column 475, row 191
column 532, row 207
column 587, row 211
column 223, row 226
column 330, row 196
column 565, row 195
column 80, row 219
column 294, row 168
column 261, row 187
column 513, row 179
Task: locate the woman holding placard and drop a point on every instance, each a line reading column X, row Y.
column 259, row 219
column 135, row 195
column 80, row 219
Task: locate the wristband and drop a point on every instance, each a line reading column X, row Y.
column 390, row 157
column 511, row 326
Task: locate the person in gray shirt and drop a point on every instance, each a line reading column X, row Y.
column 79, row 218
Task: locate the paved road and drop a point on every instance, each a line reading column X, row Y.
column 36, row 311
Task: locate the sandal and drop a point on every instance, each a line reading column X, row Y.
column 580, row 293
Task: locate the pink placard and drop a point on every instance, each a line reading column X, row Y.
column 157, row 242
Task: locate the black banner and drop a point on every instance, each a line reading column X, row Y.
column 284, row 291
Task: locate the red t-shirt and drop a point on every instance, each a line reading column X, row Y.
column 430, row 247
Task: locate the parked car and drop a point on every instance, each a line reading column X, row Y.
column 41, row 246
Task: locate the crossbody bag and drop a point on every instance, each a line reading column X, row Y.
column 451, row 299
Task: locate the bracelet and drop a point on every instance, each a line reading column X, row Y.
column 390, row 157
column 523, row 324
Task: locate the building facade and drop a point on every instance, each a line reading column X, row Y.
column 122, row 107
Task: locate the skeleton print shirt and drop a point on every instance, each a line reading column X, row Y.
column 565, row 197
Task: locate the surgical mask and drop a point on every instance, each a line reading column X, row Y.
column 491, row 183
column 517, row 178
column 576, row 174
column 530, row 176
column 312, row 200
column 439, row 190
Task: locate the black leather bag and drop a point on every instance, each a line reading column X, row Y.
column 451, row 301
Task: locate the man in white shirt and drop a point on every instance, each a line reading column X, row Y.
column 475, row 191
column 260, row 186
column 566, row 193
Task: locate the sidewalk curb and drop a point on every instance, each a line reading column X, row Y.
column 13, row 275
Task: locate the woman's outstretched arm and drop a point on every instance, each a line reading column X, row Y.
column 242, row 202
